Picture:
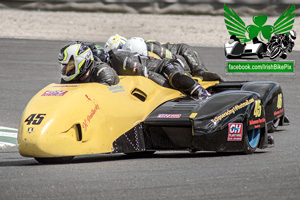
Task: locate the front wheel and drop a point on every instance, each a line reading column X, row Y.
column 252, row 140
column 276, row 51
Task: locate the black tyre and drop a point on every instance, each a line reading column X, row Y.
column 252, row 140
column 140, row 153
column 260, row 55
column 54, row 160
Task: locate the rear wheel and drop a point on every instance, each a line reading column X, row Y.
column 252, row 140
column 55, row 160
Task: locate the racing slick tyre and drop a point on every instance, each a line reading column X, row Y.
column 260, row 55
column 251, row 140
column 55, row 160
column 275, row 52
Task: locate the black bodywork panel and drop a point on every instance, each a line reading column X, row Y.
column 185, row 123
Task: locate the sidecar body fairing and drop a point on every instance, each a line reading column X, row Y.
column 137, row 115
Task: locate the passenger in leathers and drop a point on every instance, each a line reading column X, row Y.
column 190, row 59
column 166, row 72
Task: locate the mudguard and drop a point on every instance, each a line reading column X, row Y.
column 269, row 92
column 271, row 96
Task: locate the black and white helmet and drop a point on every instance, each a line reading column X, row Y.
column 292, row 35
column 75, row 59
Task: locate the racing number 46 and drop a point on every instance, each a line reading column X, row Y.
column 34, row 119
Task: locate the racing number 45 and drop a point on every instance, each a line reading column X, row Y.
column 34, row 119
column 257, row 109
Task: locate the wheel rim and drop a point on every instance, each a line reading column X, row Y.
column 253, row 137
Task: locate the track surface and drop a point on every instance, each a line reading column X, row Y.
column 29, row 65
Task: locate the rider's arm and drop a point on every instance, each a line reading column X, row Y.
column 104, row 74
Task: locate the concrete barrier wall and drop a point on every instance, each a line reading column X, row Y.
column 191, row 7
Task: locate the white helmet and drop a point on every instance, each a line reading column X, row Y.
column 292, row 35
column 114, row 42
column 136, row 45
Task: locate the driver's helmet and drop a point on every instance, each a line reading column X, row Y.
column 75, row 59
column 136, row 45
column 292, row 36
column 114, row 42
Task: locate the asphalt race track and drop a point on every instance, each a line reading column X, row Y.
column 29, row 65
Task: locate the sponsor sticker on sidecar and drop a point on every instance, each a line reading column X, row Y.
column 116, row 89
column 54, row 93
column 235, row 132
column 169, row 116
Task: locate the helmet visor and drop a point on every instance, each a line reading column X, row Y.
column 69, row 68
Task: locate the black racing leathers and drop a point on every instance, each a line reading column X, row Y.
column 99, row 72
column 163, row 71
column 189, row 59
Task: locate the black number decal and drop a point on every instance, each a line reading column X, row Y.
column 35, row 119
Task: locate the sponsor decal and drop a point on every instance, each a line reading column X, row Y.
column 193, row 115
column 54, row 93
column 235, row 132
column 258, row 121
column 232, row 110
column 88, row 98
column 30, row 130
column 90, row 116
column 278, row 112
column 116, row 89
column 169, row 116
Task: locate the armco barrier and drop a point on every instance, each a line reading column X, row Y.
column 194, row 7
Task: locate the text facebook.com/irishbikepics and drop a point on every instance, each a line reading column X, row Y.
column 268, row 46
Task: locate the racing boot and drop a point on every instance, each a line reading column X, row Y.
column 199, row 92
column 179, row 81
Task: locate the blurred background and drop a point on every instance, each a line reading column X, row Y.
column 189, row 7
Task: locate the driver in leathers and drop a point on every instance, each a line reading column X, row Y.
column 190, row 59
column 165, row 72
column 79, row 65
